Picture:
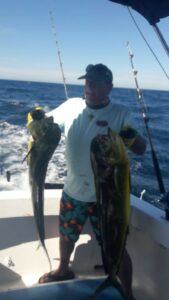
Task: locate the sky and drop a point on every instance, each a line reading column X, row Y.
column 87, row 32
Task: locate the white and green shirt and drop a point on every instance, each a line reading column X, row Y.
column 81, row 124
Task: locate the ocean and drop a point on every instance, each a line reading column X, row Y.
column 17, row 98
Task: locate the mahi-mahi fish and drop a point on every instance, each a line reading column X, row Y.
column 111, row 171
column 45, row 136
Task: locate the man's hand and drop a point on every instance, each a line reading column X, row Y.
column 135, row 142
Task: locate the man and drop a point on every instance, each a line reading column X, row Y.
column 83, row 120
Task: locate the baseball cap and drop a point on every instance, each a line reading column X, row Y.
column 98, row 72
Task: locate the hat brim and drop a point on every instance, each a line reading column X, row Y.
column 90, row 77
column 82, row 77
column 94, row 78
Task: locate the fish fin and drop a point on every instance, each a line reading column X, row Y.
column 39, row 245
column 108, row 282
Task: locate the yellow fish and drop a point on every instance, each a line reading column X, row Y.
column 45, row 136
column 111, row 171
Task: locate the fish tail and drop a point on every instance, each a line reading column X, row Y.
column 108, row 282
column 39, row 190
column 47, row 255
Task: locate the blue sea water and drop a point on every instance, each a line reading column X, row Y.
column 17, row 98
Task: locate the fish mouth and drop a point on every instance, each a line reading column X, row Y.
column 100, row 149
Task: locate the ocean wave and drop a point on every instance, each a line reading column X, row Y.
column 14, row 140
column 18, row 98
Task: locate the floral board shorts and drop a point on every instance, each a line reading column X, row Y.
column 73, row 215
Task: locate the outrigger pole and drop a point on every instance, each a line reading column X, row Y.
column 161, row 38
column 58, row 52
column 146, row 119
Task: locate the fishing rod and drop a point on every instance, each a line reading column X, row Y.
column 146, row 120
column 58, row 52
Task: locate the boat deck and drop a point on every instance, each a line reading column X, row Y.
column 22, row 262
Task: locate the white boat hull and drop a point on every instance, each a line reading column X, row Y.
column 21, row 263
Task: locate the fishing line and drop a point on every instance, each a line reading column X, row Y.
column 146, row 120
column 58, row 52
column 150, row 48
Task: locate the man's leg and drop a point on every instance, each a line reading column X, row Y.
column 71, row 221
column 66, row 249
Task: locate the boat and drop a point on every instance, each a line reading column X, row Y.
column 22, row 264
column 22, row 261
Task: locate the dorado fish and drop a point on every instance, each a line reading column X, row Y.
column 110, row 166
column 45, row 136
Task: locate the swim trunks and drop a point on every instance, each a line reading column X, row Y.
column 73, row 215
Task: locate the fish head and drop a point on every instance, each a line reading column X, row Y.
column 108, row 151
column 118, row 150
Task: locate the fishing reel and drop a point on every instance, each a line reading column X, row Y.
column 7, row 174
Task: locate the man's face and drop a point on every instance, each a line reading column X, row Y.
column 96, row 93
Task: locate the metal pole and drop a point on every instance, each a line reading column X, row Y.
column 58, row 52
column 146, row 119
column 161, row 38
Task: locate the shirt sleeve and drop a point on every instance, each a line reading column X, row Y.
column 59, row 114
column 127, row 122
column 65, row 113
